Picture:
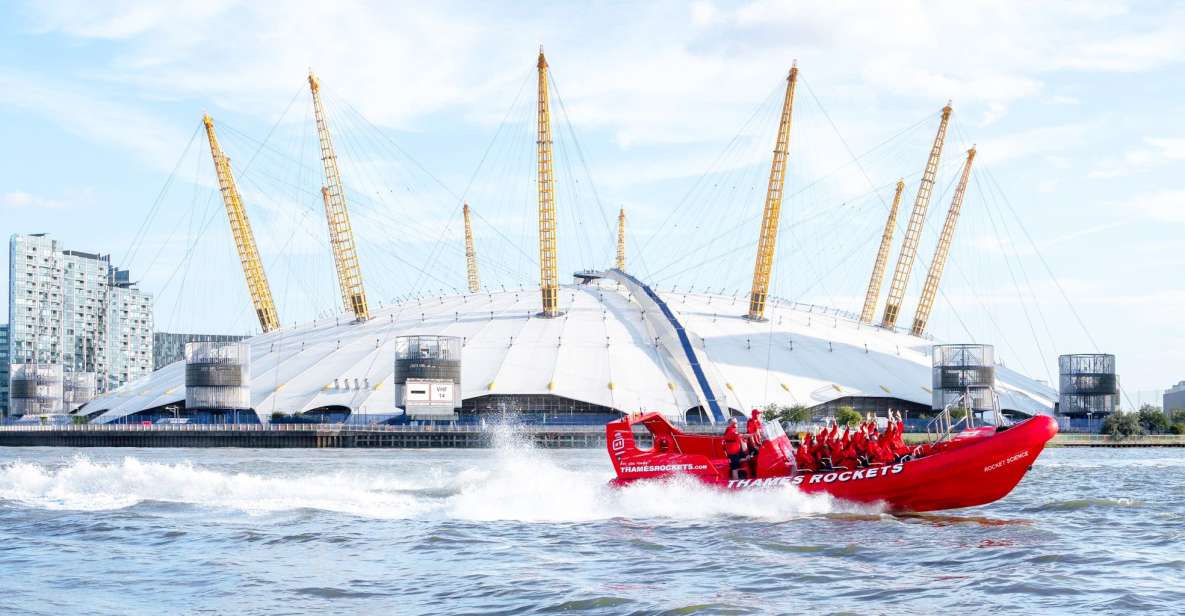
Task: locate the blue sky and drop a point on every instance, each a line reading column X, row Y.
column 669, row 111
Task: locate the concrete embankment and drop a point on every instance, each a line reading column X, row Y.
column 395, row 437
column 291, row 436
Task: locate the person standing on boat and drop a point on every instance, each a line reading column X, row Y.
column 732, row 448
column 755, row 437
column 754, row 429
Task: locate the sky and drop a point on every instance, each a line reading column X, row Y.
column 1072, row 235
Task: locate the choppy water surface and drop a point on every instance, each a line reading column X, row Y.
column 513, row 530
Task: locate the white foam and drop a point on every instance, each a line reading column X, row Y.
column 83, row 484
column 518, row 484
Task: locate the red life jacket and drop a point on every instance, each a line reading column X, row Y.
column 732, row 441
column 803, row 459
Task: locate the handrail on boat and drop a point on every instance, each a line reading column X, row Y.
column 944, row 424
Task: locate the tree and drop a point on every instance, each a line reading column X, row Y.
column 848, row 416
column 1152, row 419
column 791, row 414
column 799, row 414
column 1122, row 425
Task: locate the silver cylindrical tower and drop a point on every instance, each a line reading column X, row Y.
column 35, row 389
column 78, row 388
column 217, row 376
column 428, row 375
column 964, row 369
column 1087, row 384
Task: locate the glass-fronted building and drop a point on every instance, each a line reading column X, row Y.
column 4, row 370
column 1174, row 398
column 74, row 309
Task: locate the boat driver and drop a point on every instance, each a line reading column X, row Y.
column 732, row 448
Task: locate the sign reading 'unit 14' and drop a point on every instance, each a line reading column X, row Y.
column 428, row 393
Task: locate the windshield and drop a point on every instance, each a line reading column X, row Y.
column 772, row 429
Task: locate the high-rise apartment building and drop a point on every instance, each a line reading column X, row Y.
column 4, row 370
column 75, row 309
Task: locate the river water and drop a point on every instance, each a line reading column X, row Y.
column 517, row 530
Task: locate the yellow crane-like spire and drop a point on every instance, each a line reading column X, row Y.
column 767, row 244
column 621, row 240
column 470, row 254
column 549, row 277
column 913, row 232
column 926, row 303
column 240, row 228
column 882, row 259
column 341, row 234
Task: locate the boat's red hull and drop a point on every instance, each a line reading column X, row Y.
column 972, row 469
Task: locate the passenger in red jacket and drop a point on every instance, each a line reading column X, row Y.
column 755, row 438
column 754, row 428
column 844, row 457
column 732, row 448
column 814, row 442
column 802, row 456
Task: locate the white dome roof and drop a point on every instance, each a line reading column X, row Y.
column 604, row 350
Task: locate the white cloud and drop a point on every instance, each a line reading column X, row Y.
column 21, row 200
column 1162, row 205
column 95, row 116
column 703, row 13
column 1014, row 246
column 1154, row 152
column 1049, row 141
column 666, row 74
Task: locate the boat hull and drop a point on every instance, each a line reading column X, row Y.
column 971, row 469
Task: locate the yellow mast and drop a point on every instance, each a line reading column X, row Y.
column 926, row 303
column 909, row 247
column 240, row 228
column 549, row 278
column 341, row 235
column 767, row 243
column 470, row 254
column 621, row 240
column 882, row 259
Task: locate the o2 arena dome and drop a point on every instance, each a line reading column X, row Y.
column 584, row 352
column 614, row 349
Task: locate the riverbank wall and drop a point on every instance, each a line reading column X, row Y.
column 396, row 437
column 297, row 436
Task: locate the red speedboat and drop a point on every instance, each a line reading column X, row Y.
column 958, row 469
